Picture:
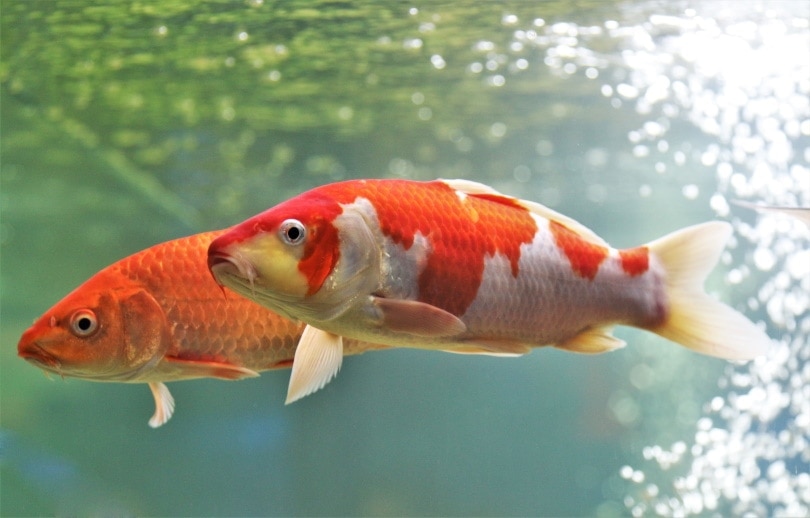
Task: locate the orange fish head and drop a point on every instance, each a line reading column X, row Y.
column 99, row 333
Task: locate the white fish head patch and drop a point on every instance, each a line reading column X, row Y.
column 357, row 273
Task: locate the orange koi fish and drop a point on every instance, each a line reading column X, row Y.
column 158, row 316
column 457, row 266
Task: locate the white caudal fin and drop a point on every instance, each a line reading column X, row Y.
column 696, row 320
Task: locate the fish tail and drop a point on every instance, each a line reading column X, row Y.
column 695, row 319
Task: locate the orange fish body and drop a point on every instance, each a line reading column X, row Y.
column 158, row 316
column 456, row 266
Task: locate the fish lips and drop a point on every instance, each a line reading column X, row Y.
column 238, row 273
column 227, row 267
column 34, row 353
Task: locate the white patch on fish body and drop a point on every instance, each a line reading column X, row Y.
column 357, row 271
column 401, row 267
column 548, row 302
column 398, row 268
column 641, row 299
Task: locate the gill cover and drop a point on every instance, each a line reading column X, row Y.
column 146, row 331
column 356, row 273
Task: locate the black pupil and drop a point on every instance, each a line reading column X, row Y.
column 293, row 233
column 84, row 324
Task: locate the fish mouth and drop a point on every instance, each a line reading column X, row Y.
column 228, row 269
column 35, row 354
column 238, row 273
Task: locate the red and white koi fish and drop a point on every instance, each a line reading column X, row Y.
column 457, row 266
column 158, row 316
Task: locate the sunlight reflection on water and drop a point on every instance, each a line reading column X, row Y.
column 746, row 84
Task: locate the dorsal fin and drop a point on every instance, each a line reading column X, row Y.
column 474, row 188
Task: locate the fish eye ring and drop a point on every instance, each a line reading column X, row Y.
column 83, row 323
column 292, row 231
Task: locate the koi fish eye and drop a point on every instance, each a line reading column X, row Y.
column 292, row 232
column 83, row 323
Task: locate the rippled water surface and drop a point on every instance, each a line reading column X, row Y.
column 128, row 124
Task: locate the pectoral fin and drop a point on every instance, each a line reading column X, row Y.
column 592, row 340
column 211, row 369
column 164, row 404
column 317, row 360
column 417, row 318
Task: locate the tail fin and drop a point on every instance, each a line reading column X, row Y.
column 696, row 320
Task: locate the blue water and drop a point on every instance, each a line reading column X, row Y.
column 129, row 124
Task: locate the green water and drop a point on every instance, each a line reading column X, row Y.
column 130, row 123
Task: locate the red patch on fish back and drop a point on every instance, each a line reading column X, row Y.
column 461, row 232
column 584, row 256
column 635, row 261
